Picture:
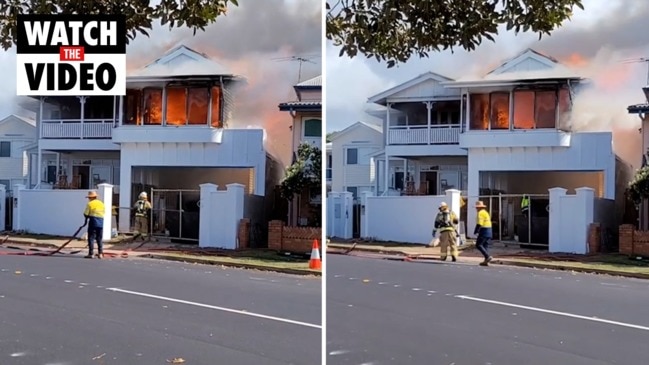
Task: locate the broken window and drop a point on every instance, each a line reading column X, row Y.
column 524, row 109
column 546, row 109
column 197, row 105
column 131, row 107
column 565, row 106
column 176, row 106
column 479, row 104
column 216, row 121
column 499, row 110
column 152, row 106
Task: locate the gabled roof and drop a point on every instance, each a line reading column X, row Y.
column 381, row 97
column 182, row 61
column 354, row 126
column 303, row 106
column 25, row 120
column 314, row 83
column 528, row 54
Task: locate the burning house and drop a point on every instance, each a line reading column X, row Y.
column 168, row 135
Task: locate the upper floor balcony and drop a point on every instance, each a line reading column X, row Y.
column 424, row 123
column 76, row 128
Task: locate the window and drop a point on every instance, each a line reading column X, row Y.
column 565, row 104
column 479, row 111
column 187, row 105
column 354, row 191
column 546, row 109
column 5, row 149
column 132, row 108
column 499, row 111
column 313, row 128
column 524, row 109
column 352, row 156
column 216, row 121
column 152, row 112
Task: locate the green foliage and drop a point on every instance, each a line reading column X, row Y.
column 140, row 14
column 304, row 173
column 639, row 186
column 394, row 30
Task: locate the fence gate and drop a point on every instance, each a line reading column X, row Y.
column 176, row 214
column 9, row 211
column 356, row 233
column 512, row 224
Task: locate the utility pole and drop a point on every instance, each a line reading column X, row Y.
column 300, row 60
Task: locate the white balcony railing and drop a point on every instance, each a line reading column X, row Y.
column 76, row 128
column 422, row 134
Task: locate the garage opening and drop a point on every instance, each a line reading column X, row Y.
column 175, row 194
column 518, row 201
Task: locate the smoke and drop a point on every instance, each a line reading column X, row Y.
column 251, row 41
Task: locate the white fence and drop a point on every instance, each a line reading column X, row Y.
column 407, row 219
column 57, row 212
column 221, row 212
column 571, row 216
column 340, row 215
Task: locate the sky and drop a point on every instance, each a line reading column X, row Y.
column 595, row 40
column 248, row 40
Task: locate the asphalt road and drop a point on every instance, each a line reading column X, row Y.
column 70, row 310
column 390, row 312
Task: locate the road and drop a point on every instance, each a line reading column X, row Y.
column 69, row 310
column 389, row 312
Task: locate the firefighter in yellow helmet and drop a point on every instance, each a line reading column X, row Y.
column 446, row 222
column 142, row 210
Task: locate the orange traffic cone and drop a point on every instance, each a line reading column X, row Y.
column 315, row 263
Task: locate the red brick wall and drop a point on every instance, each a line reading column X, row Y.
column 633, row 242
column 244, row 233
column 292, row 239
column 594, row 238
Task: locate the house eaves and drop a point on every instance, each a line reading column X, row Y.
column 301, row 106
column 511, row 82
column 638, row 108
column 382, row 97
column 313, row 83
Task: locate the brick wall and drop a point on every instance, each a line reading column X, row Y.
column 594, row 238
column 244, row 233
column 292, row 239
column 633, row 242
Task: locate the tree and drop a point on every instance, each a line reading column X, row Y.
column 305, row 173
column 639, row 186
column 194, row 14
column 329, row 136
column 394, row 30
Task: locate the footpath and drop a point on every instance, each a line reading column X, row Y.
column 511, row 255
column 123, row 247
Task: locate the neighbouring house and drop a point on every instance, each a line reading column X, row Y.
column 306, row 113
column 17, row 134
column 329, row 166
column 498, row 138
column 352, row 150
column 167, row 136
column 642, row 110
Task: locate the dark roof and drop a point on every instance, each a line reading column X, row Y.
column 638, row 108
column 300, row 106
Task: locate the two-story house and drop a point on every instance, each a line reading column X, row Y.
column 168, row 135
column 352, row 150
column 17, row 133
column 306, row 114
column 496, row 138
column 642, row 110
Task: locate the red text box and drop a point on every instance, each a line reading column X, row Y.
column 71, row 54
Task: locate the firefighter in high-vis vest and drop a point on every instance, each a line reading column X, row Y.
column 142, row 209
column 525, row 205
column 446, row 222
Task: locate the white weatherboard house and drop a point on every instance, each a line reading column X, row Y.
column 16, row 135
column 351, row 158
column 494, row 138
column 167, row 136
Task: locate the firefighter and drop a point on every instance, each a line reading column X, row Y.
column 484, row 232
column 142, row 208
column 525, row 205
column 445, row 222
column 94, row 215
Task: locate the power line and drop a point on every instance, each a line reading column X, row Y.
column 639, row 60
column 301, row 59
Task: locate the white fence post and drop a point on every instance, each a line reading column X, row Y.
column 105, row 193
column 235, row 194
column 16, row 209
column 3, row 208
column 555, row 219
column 364, row 227
column 348, row 214
column 586, row 203
column 205, row 219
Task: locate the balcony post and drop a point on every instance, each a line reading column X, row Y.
column 387, row 125
column 40, row 117
column 429, row 106
column 121, row 110
column 82, row 102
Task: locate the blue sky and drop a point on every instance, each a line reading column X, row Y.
column 605, row 32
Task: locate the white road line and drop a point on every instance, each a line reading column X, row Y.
column 244, row 313
column 557, row 313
